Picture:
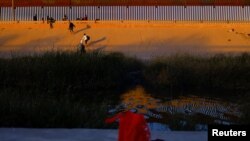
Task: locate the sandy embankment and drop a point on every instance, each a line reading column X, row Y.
column 141, row 39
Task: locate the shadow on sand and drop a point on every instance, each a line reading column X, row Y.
column 82, row 29
column 97, row 41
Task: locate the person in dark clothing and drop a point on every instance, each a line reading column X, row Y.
column 48, row 18
column 81, row 47
column 86, row 18
column 35, row 18
column 51, row 21
column 43, row 19
column 65, row 18
column 71, row 26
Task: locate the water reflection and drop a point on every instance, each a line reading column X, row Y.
column 202, row 110
column 194, row 105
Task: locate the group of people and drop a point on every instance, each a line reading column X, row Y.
column 83, row 41
column 51, row 21
column 85, row 18
column 65, row 18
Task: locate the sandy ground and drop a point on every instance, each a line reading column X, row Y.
column 142, row 39
column 22, row 134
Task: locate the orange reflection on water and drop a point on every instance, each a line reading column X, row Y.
column 139, row 99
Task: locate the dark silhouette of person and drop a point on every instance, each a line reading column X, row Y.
column 71, row 26
column 81, row 47
column 35, row 18
column 86, row 18
column 51, row 21
column 65, row 18
column 48, row 18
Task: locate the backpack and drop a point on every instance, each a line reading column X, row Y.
column 88, row 37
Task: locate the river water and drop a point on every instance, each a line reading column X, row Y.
column 179, row 113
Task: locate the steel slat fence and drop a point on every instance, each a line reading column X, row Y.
column 151, row 13
column 28, row 3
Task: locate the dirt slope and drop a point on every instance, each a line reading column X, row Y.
column 141, row 39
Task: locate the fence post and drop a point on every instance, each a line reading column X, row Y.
column 13, row 11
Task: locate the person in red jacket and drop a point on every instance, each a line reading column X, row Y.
column 132, row 126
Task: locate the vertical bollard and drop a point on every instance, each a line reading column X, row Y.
column 0, row 14
column 13, row 11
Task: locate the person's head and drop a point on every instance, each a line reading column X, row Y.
column 84, row 34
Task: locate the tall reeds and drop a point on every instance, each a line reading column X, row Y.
column 60, row 89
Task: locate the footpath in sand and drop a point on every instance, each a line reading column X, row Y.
column 142, row 39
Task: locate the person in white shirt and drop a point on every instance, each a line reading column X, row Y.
column 85, row 38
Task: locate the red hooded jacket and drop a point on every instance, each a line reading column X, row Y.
column 132, row 126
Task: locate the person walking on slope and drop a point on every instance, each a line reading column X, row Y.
column 81, row 47
column 71, row 26
column 86, row 38
column 51, row 21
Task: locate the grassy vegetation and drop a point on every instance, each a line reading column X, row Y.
column 67, row 72
column 185, row 72
column 59, row 89
column 62, row 89
column 33, row 110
